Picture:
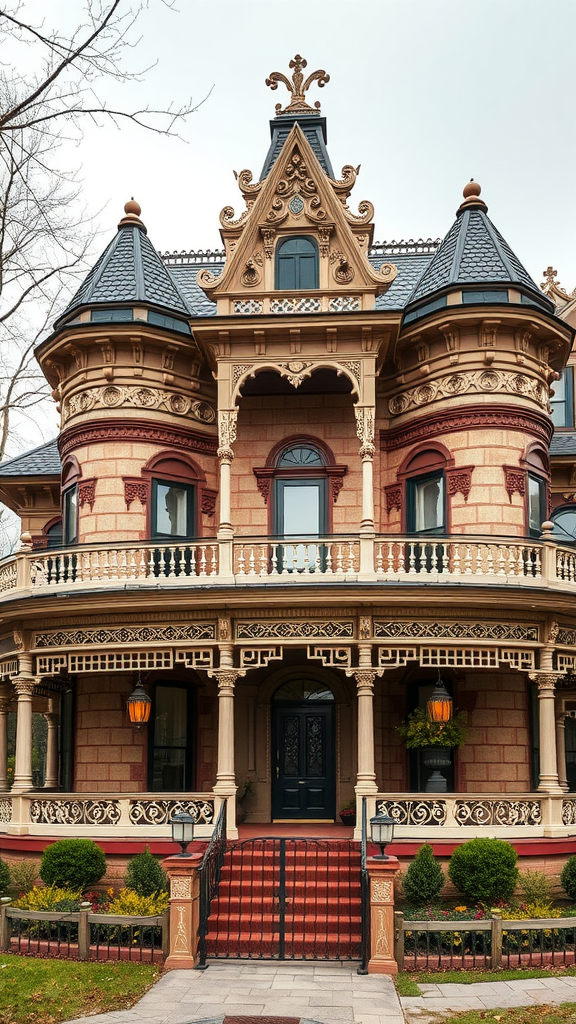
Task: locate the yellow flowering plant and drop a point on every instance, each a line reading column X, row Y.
column 129, row 902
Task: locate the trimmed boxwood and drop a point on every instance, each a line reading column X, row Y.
column 424, row 879
column 4, row 876
column 73, row 863
column 145, row 876
column 484, row 870
column 568, row 878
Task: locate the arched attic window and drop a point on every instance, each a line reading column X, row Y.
column 296, row 264
column 71, row 474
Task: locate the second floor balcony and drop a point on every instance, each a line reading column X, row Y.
column 264, row 561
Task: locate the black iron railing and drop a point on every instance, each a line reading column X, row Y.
column 209, row 873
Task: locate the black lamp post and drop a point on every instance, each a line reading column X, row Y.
column 382, row 833
column 183, row 831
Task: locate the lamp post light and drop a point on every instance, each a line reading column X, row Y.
column 139, row 705
column 382, row 833
column 440, row 704
column 183, row 831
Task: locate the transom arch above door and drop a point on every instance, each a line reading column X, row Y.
column 342, row 689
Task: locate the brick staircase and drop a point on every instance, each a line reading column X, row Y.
column 322, row 901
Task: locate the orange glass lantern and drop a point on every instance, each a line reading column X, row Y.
column 139, row 705
column 440, row 704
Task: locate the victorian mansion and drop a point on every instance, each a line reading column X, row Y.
column 295, row 481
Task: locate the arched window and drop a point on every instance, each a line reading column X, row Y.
column 564, row 519
column 71, row 474
column 426, row 492
column 174, row 505
column 300, row 505
column 297, row 264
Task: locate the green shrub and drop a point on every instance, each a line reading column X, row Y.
column 568, row 878
column 4, row 875
column 23, row 874
column 50, row 897
column 484, row 870
column 424, row 878
column 145, row 876
column 76, row 863
column 535, row 887
column 530, row 911
column 129, row 902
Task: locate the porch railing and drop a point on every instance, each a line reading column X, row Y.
column 209, row 876
column 493, row 561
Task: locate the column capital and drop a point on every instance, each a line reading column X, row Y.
column 52, row 718
column 546, row 682
column 226, row 679
column 24, row 685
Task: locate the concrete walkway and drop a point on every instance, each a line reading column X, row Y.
column 486, row 995
column 329, row 993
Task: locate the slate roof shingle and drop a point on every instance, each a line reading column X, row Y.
column 41, row 461
column 563, row 443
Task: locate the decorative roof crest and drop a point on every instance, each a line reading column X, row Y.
column 296, row 88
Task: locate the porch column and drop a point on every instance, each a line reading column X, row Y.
column 561, row 750
column 546, row 682
column 365, row 676
column 226, row 437
column 52, row 717
column 23, row 761
column 365, row 431
column 226, row 677
column 4, row 705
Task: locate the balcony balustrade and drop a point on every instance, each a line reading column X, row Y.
column 494, row 561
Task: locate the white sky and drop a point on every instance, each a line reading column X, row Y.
column 424, row 94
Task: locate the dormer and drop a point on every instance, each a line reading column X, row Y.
column 297, row 247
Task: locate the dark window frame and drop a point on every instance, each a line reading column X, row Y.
column 191, row 490
column 564, row 406
column 411, row 485
column 190, row 748
column 299, row 262
column 540, row 479
column 69, row 531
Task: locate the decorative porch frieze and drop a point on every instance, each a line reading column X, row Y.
column 458, row 657
column 566, row 637
column 9, row 668
column 259, row 657
column 196, row 658
column 284, row 629
column 160, row 812
column 392, row 657
column 430, row 629
column 126, row 635
column 51, row 664
column 498, row 812
column 332, row 657
column 120, row 661
column 75, row 812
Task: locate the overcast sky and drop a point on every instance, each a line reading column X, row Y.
column 424, row 94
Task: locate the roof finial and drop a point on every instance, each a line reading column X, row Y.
column 296, row 88
column 471, row 193
column 132, row 211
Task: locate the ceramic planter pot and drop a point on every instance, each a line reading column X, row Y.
column 436, row 758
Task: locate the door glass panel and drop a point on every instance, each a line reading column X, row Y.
column 290, row 767
column 315, row 746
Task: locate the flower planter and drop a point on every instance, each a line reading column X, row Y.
column 348, row 817
column 436, row 758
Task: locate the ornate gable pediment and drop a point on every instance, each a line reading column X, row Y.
column 297, row 199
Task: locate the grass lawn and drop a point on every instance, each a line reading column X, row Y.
column 407, row 982
column 520, row 1015
column 49, row 991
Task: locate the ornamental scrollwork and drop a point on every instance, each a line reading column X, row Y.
column 451, row 385
column 568, row 812
column 227, row 419
column 5, row 811
column 181, row 888
column 117, row 397
column 135, row 490
column 414, row 812
column 297, row 87
column 295, row 372
column 514, row 481
column 566, row 637
column 381, row 891
column 365, row 429
column 75, row 812
column 160, row 812
column 498, row 812
column 286, row 630
column 455, row 630
column 126, row 635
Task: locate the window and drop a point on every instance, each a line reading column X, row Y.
column 170, row 766
column 54, row 535
column 564, row 520
column 300, row 507
column 297, row 264
column 173, row 509
column 562, row 401
column 536, row 504
column 425, row 504
column 70, row 515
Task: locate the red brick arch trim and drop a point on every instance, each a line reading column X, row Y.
column 136, row 430
column 447, row 422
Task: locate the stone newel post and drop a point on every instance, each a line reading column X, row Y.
column 184, row 910
column 382, row 874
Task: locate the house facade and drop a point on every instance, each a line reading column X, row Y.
column 296, row 480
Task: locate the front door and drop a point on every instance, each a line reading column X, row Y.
column 303, row 773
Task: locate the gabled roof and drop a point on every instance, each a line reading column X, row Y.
column 475, row 254
column 42, row 461
column 129, row 270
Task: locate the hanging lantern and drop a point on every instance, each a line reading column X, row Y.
column 440, row 703
column 139, row 705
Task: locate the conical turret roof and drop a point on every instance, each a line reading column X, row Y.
column 476, row 257
column 129, row 270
